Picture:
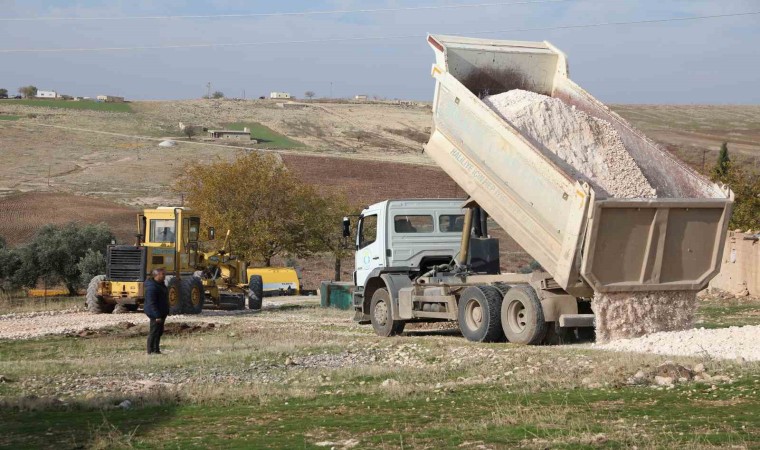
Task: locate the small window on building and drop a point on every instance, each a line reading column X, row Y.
column 451, row 223
column 162, row 230
column 413, row 224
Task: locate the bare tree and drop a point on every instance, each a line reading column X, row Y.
column 309, row 94
column 217, row 94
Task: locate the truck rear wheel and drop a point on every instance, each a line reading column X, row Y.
column 255, row 292
column 193, row 295
column 95, row 303
column 479, row 314
column 382, row 315
column 174, row 294
column 523, row 317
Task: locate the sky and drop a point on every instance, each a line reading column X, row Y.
column 713, row 61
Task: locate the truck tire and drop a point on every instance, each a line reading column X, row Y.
column 193, row 295
column 95, row 303
column 479, row 314
column 175, row 295
column 523, row 317
column 255, row 292
column 382, row 315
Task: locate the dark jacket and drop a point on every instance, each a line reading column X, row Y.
column 156, row 299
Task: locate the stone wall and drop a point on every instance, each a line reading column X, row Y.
column 740, row 270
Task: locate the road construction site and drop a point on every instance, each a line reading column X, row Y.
column 624, row 236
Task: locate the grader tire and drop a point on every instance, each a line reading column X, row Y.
column 523, row 317
column 175, row 295
column 479, row 314
column 193, row 295
column 95, row 303
column 382, row 317
column 255, row 292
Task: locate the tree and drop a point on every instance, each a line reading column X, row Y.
column 189, row 131
column 56, row 252
column 309, row 94
column 720, row 171
column 28, row 91
column 4, row 93
column 91, row 264
column 217, row 94
column 268, row 210
column 746, row 187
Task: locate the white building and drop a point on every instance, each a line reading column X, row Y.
column 279, row 95
column 361, row 97
column 46, row 94
column 110, row 99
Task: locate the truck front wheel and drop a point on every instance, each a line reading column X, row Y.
column 382, row 316
column 479, row 314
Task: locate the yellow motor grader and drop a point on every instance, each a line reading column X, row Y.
column 169, row 238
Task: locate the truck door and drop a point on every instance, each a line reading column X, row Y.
column 370, row 245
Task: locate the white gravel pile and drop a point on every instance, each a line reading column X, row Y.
column 738, row 343
column 630, row 314
column 590, row 145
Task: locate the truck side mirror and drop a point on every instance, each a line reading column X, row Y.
column 211, row 233
column 346, row 227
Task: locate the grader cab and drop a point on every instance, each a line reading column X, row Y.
column 169, row 238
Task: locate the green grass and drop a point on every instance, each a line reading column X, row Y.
column 723, row 313
column 490, row 415
column 266, row 137
column 9, row 117
column 70, row 104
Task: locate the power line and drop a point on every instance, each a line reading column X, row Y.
column 280, row 14
column 369, row 38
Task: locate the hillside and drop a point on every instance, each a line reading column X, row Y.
column 96, row 165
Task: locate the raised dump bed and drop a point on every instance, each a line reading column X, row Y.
column 584, row 241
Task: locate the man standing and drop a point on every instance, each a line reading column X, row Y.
column 156, row 308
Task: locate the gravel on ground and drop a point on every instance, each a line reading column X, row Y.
column 738, row 343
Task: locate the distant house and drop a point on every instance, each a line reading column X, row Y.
column 110, row 99
column 46, row 94
column 244, row 135
column 279, row 95
column 361, row 97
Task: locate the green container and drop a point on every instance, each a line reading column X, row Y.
column 335, row 294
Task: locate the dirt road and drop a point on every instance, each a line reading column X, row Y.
column 36, row 324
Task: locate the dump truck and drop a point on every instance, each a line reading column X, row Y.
column 169, row 238
column 585, row 243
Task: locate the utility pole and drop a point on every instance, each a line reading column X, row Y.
column 243, row 94
column 208, row 86
column 331, row 90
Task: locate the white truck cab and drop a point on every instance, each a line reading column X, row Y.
column 407, row 236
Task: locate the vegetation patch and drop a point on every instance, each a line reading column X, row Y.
column 8, row 117
column 70, row 104
column 266, row 137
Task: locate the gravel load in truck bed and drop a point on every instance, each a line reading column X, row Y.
column 591, row 146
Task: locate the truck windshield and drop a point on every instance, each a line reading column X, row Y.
column 413, row 224
column 162, row 230
column 451, row 223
